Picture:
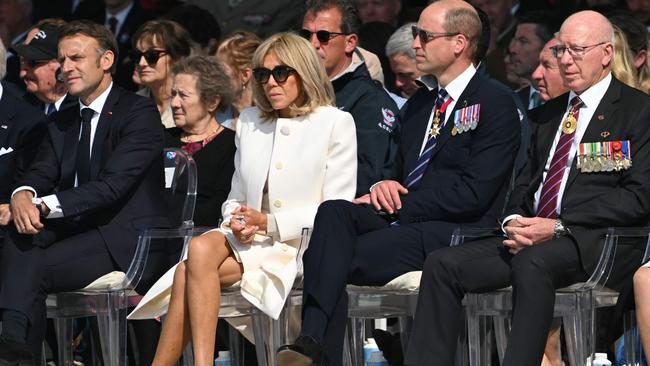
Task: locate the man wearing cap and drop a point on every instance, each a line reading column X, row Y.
column 41, row 72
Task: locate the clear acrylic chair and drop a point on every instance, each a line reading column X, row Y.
column 268, row 333
column 633, row 348
column 115, row 292
column 575, row 304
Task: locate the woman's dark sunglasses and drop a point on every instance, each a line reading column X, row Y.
column 151, row 56
column 323, row 36
column 280, row 74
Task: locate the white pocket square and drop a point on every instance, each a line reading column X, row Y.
column 5, row 151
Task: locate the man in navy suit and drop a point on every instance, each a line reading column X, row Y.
column 563, row 202
column 95, row 182
column 457, row 148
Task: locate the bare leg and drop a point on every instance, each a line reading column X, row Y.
column 210, row 265
column 553, row 349
column 176, row 328
column 642, row 299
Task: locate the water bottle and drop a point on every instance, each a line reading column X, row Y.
column 369, row 346
column 377, row 359
column 223, row 359
column 600, row 359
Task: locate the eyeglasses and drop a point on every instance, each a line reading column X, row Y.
column 33, row 63
column 574, row 51
column 323, row 36
column 280, row 74
column 426, row 36
column 150, row 56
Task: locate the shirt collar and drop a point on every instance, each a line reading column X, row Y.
column 428, row 81
column 356, row 62
column 456, row 87
column 592, row 96
column 1, row 90
column 98, row 103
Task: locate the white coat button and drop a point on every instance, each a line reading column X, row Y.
column 285, row 247
column 285, row 130
column 277, row 203
column 279, row 166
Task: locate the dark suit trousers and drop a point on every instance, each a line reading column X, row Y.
column 352, row 244
column 484, row 265
column 28, row 273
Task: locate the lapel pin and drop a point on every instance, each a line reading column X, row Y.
column 605, row 134
column 601, row 117
column 110, row 113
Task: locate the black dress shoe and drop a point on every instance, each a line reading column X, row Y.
column 306, row 351
column 13, row 353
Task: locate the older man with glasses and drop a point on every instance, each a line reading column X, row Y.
column 456, row 153
column 558, row 215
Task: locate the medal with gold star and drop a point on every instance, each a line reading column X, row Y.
column 435, row 126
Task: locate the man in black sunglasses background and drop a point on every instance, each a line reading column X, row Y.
column 331, row 26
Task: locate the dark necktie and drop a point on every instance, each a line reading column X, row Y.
column 83, row 149
column 112, row 25
column 536, row 100
column 547, row 205
column 50, row 109
column 414, row 178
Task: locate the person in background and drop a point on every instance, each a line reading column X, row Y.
column 15, row 21
column 547, row 74
column 278, row 183
column 41, row 71
column 638, row 42
column 201, row 25
column 236, row 54
column 331, row 26
column 385, row 11
column 158, row 45
column 200, row 88
column 623, row 62
column 402, row 60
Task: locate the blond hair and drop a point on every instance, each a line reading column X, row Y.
column 297, row 53
column 622, row 63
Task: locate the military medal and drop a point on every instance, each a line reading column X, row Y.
column 454, row 131
column 435, row 130
column 466, row 118
column 626, row 150
column 569, row 125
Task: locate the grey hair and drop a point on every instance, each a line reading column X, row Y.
column 3, row 60
column 400, row 42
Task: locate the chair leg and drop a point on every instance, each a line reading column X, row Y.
column 473, row 329
column 356, row 333
column 112, row 330
column 405, row 326
column 260, row 330
column 234, row 344
column 501, row 332
column 630, row 338
column 571, row 337
column 64, row 339
column 188, row 356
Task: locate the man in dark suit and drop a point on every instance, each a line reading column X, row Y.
column 559, row 211
column 449, row 175
column 96, row 181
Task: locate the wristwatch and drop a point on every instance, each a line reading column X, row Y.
column 38, row 202
column 560, row 229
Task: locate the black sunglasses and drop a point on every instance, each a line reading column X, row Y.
column 323, row 36
column 280, row 74
column 150, row 56
column 426, row 36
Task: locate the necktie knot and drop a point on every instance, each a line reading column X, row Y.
column 536, row 99
column 50, row 109
column 442, row 97
column 87, row 115
column 576, row 103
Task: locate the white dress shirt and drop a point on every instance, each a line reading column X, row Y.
column 57, row 104
column 590, row 99
column 455, row 88
column 51, row 200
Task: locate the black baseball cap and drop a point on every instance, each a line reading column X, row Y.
column 44, row 46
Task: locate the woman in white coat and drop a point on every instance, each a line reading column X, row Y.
column 295, row 150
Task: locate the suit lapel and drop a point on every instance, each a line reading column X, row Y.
column 600, row 121
column 420, row 119
column 7, row 113
column 103, row 126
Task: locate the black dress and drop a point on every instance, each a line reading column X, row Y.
column 215, row 166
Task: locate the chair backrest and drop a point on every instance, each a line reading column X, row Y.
column 180, row 184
